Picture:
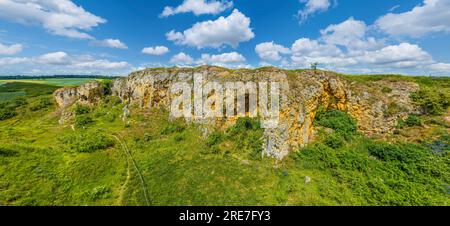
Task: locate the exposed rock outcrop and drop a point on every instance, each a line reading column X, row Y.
column 85, row 94
column 302, row 93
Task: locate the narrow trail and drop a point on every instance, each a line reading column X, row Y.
column 127, row 180
column 131, row 159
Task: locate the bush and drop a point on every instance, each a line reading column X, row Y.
column 106, row 85
column 319, row 156
column 247, row 134
column 7, row 113
column 6, row 152
column 244, row 124
column 19, row 101
column 431, row 102
column 179, row 138
column 401, row 152
column 172, row 128
column 337, row 120
column 215, row 138
column 148, row 137
column 334, row 141
column 40, row 104
column 87, row 142
column 83, row 120
column 411, row 121
column 81, row 110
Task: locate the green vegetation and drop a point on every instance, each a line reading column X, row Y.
column 7, row 113
column 87, row 142
column 412, row 120
column 87, row 161
column 339, row 121
column 433, row 102
column 377, row 172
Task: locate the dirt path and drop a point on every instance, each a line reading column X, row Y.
column 131, row 159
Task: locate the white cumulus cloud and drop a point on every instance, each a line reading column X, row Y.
column 223, row 59
column 198, row 7
column 352, row 34
column 7, row 61
column 440, row 67
column 430, row 17
column 398, row 56
column 11, row 49
column 156, row 50
column 182, row 59
column 62, row 63
column 59, row 17
column 347, row 47
column 110, row 43
column 230, row 30
column 312, row 7
column 55, row 58
column 269, row 51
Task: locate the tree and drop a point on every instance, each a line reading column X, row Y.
column 314, row 66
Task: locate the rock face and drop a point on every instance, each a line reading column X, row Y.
column 376, row 105
column 85, row 94
column 302, row 93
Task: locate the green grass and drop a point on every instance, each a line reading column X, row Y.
column 44, row 163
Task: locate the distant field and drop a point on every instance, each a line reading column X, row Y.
column 7, row 96
column 28, row 86
column 53, row 81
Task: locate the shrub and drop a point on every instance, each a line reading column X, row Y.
column 431, row 102
column 7, row 113
column 81, row 109
column 396, row 152
column 319, row 156
column 6, row 152
column 147, row 137
column 179, row 137
column 83, row 120
column 19, row 101
column 247, row 135
column 413, row 120
column 106, row 85
column 172, row 128
column 334, row 141
column 40, row 104
column 215, row 138
column 337, row 120
column 87, row 142
column 244, row 124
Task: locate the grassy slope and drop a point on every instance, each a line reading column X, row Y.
column 180, row 167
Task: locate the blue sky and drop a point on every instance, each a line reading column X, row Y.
column 115, row 37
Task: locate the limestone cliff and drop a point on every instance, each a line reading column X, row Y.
column 302, row 93
column 85, row 94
